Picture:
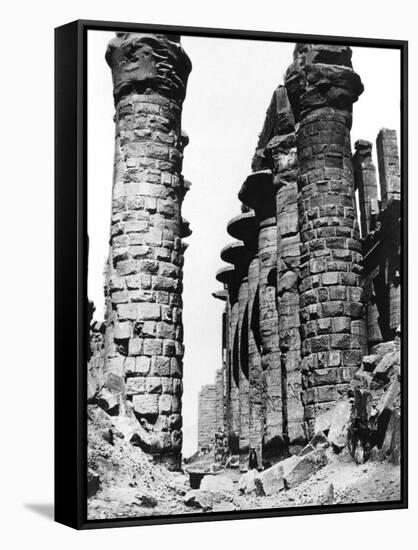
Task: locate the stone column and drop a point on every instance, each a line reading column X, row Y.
column 206, row 419
column 390, row 190
column 365, row 182
column 226, row 276
column 281, row 156
column 322, row 87
column 236, row 254
column 219, row 382
column 150, row 74
column 244, row 228
column 388, row 162
column 258, row 192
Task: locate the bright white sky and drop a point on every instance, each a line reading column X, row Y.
column 229, row 90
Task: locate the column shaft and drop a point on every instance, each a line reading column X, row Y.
column 145, row 275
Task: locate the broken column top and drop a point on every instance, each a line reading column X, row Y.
column 279, row 121
column 243, row 227
column 258, row 192
column 322, row 75
column 143, row 62
column 363, row 146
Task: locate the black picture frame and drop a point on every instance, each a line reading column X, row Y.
column 71, row 249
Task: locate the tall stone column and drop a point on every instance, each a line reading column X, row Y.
column 281, row 156
column 390, row 190
column 258, row 192
column 244, row 228
column 237, row 254
column 150, row 74
column 322, row 87
column 365, row 182
column 227, row 277
column 389, row 168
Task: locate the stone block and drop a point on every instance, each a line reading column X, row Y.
column 304, row 467
column 107, row 400
column 147, row 311
column 175, row 421
column 146, row 404
column 340, row 422
column 160, row 366
column 246, row 483
column 167, row 385
column 148, row 266
column 138, row 226
column 176, row 369
column 152, row 347
column 135, row 386
column 122, row 330
column 153, row 384
column 126, row 312
column 270, row 481
column 165, row 404
column 135, row 347
column 216, row 483
column 169, row 348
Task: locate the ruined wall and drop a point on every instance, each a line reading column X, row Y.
column 145, row 336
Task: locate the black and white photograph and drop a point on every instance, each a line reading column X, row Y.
column 245, row 344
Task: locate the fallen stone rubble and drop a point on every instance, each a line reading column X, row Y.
column 366, row 421
column 364, row 426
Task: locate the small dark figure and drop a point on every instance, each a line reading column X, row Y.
column 252, row 460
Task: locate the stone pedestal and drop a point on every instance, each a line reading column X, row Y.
column 150, row 74
column 322, row 87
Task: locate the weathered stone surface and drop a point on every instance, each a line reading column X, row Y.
column 389, row 364
column 205, row 500
column 391, row 448
column 146, row 254
column 93, row 482
column 340, row 421
column 321, row 94
column 271, row 480
column 246, row 483
column 216, row 483
column 302, row 469
column 107, row 399
column 319, row 441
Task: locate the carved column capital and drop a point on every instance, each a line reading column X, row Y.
column 321, row 76
column 145, row 63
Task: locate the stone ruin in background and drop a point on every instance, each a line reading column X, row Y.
column 306, row 292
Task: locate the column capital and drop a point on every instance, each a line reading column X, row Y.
column 237, row 254
column 258, row 192
column 143, row 62
column 244, row 227
column 321, row 76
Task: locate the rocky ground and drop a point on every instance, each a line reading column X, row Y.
column 353, row 458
